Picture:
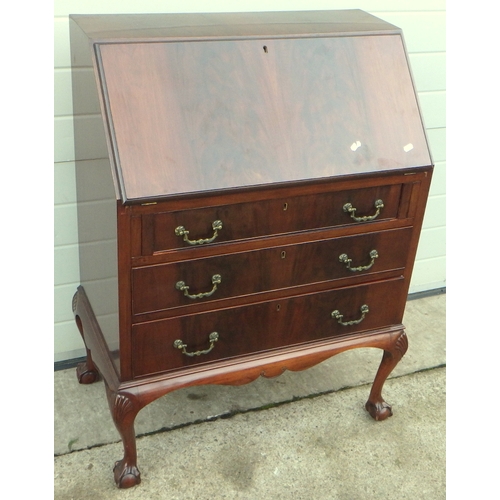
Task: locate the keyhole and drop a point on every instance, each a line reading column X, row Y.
column 283, row 254
column 265, row 48
column 285, row 206
column 278, row 307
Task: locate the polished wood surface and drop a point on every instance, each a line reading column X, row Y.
column 221, row 25
column 250, row 175
column 247, row 273
column 278, row 123
column 268, row 217
column 263, row 326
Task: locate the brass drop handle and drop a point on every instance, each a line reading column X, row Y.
column 216, row 280
column 213, row 338
column 336, row 315
column 182, row 231
column 348, row 208
column 347, row 261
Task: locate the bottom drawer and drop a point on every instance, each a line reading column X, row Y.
column 264, row 326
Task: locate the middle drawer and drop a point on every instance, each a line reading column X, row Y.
column 182, row 284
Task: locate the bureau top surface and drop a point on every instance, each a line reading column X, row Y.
column 106, row 27
column 252, row 99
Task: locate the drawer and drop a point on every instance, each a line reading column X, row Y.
column 264, row 326
column 215, row 224
column 162, row 287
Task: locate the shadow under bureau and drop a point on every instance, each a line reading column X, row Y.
column 250, row 199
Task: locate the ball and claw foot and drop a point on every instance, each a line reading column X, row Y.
column 126, row 476
column 85, row 374
column 379, row 410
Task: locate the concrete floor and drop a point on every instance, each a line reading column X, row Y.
column 302, row 435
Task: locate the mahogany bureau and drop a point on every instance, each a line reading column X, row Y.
column 256, row 205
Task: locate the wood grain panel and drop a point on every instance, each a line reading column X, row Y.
column 268, row 217
column 263, row 326
column 283, row 267
column 206, row 125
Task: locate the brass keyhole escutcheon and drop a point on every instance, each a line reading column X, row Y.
column 283, row 254
column 278, row 308
column 285, row 206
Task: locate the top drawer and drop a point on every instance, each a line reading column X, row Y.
column 215, row 224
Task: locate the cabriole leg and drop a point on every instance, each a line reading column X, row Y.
column 124, row 410
column 376, row 406
column 86, row 372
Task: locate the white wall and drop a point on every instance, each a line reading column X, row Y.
column 423, row 24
